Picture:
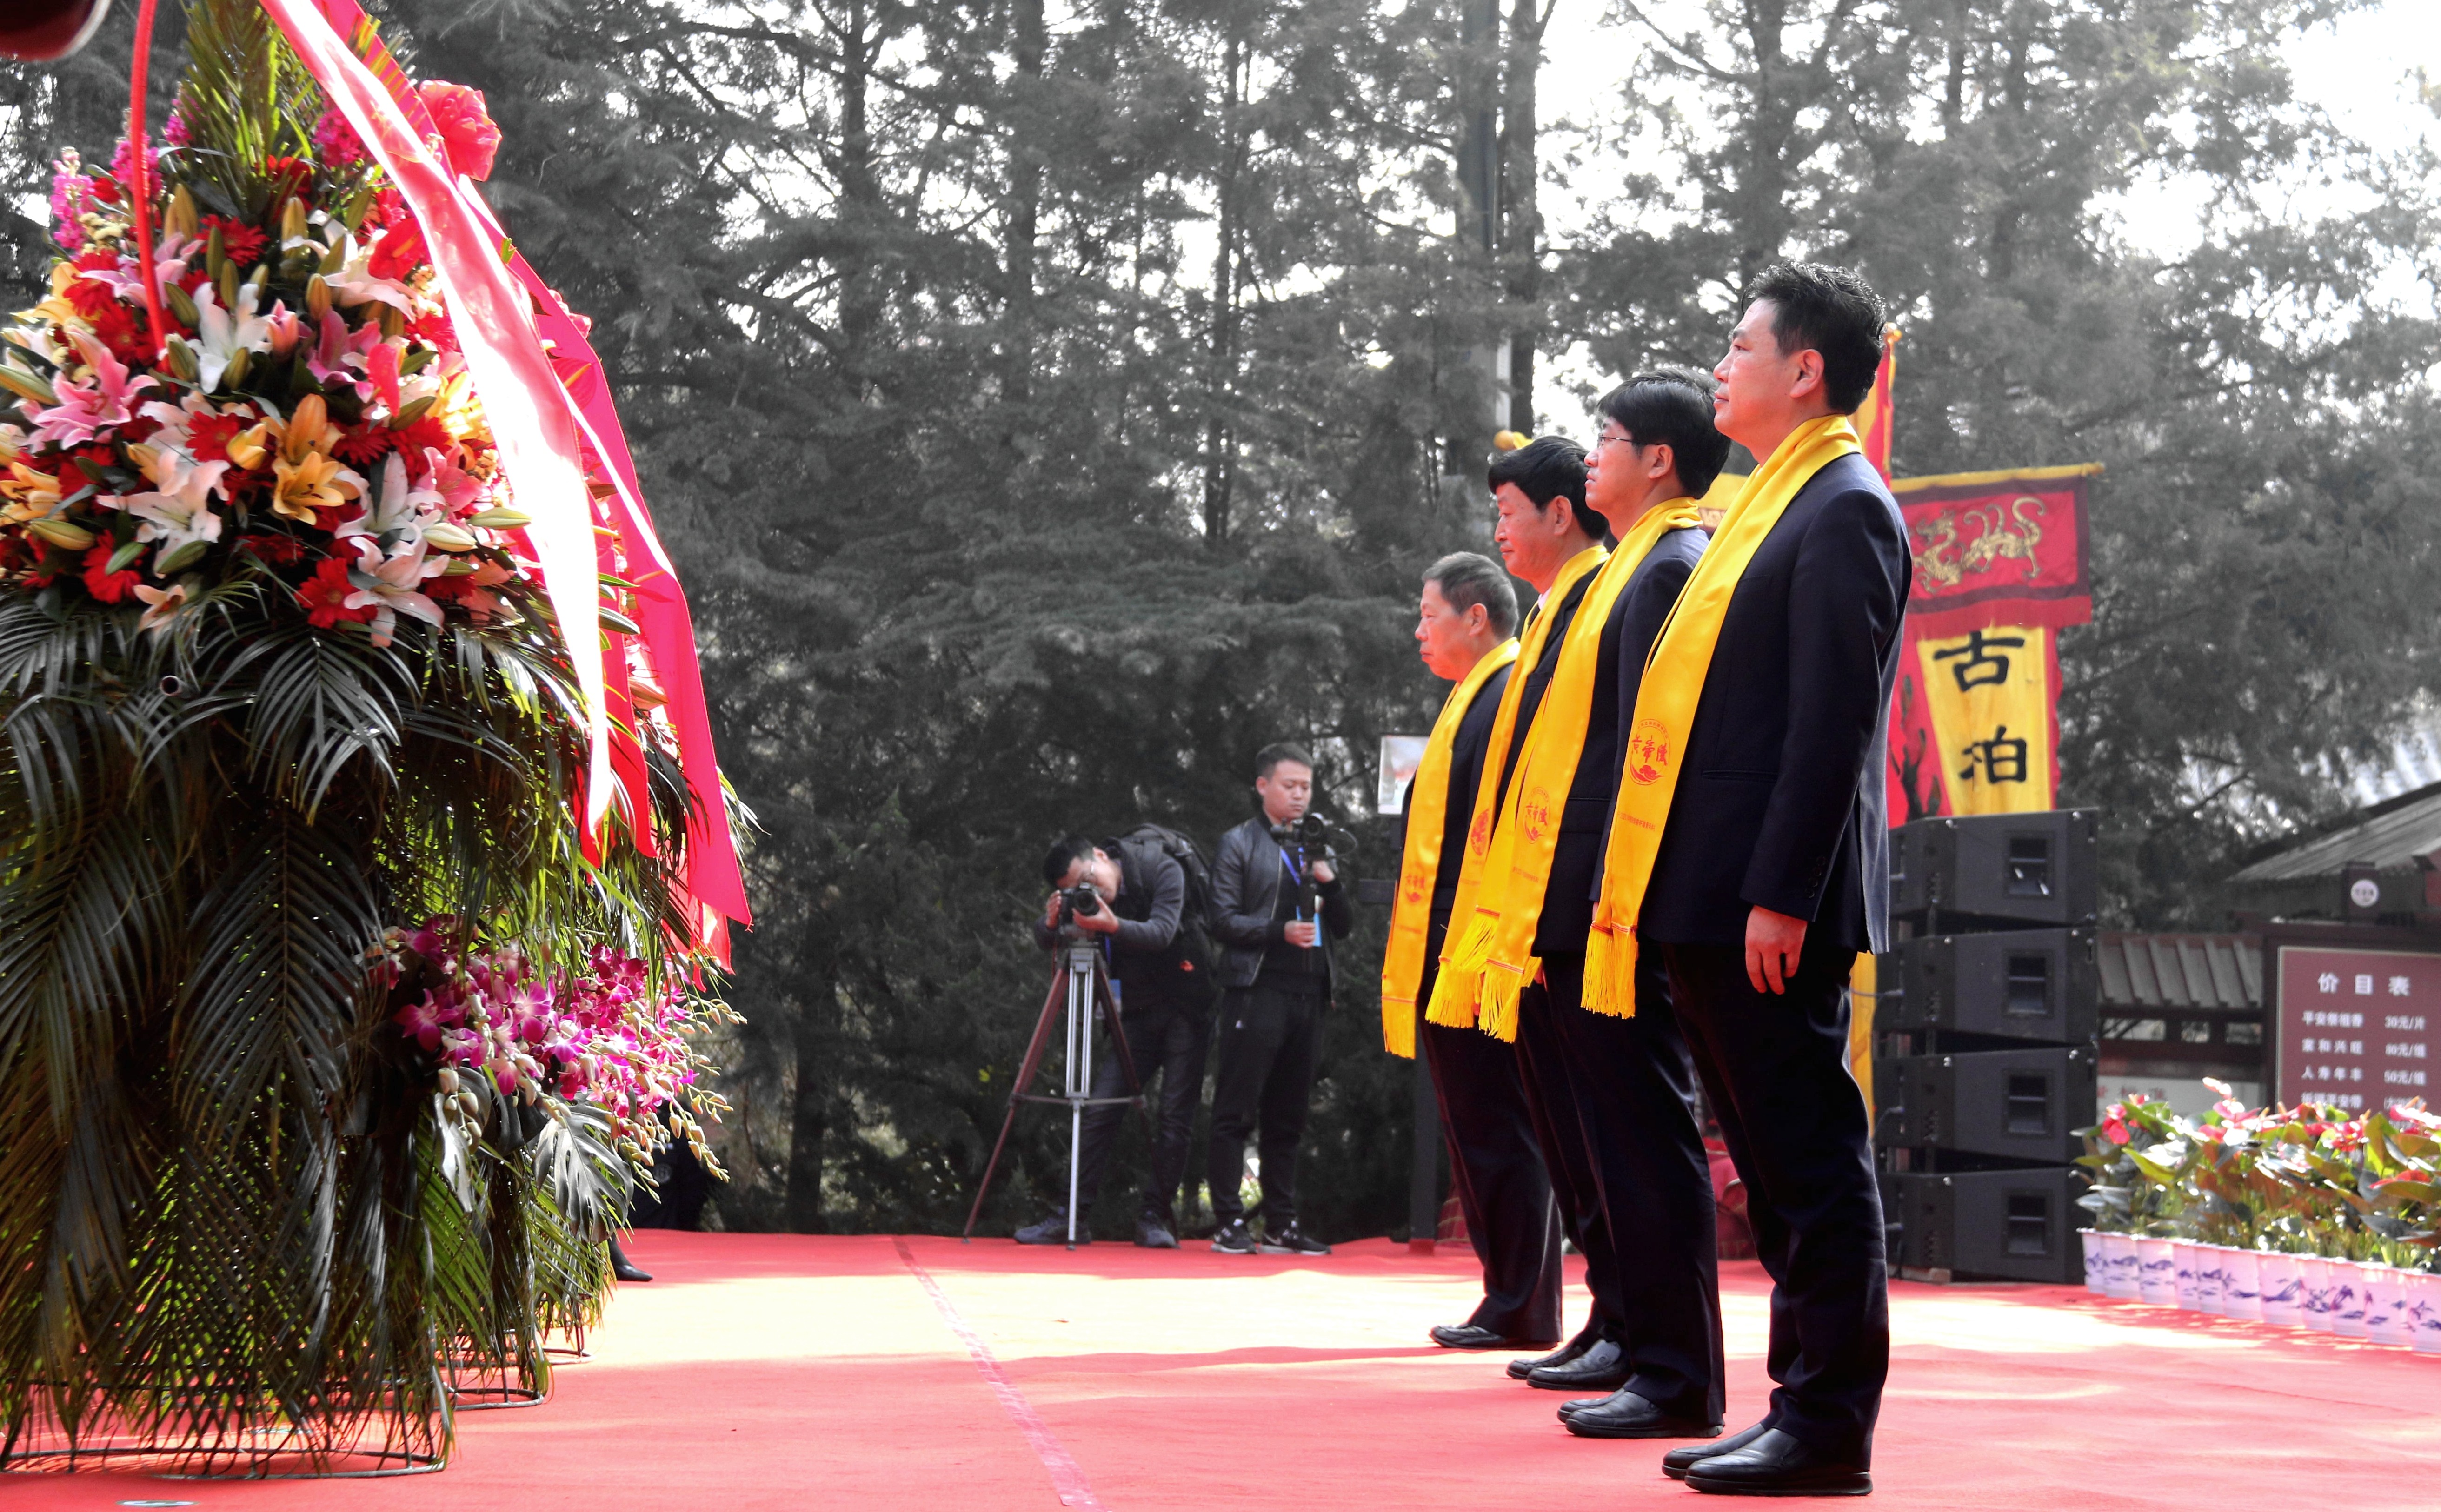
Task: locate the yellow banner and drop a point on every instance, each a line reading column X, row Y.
column 1991, row 699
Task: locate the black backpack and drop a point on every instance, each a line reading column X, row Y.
column 1197, row 912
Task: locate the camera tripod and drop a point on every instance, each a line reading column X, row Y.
column 1082, row 984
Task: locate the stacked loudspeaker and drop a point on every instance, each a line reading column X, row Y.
column 1984, row 1055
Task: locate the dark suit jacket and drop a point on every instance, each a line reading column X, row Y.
column 1471, row 744
column 1780, row 801
column 1538, row 676
column 1636, row 618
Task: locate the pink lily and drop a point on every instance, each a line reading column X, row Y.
column 339, row 356
column 86, row 408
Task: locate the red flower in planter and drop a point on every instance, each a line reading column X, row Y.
column 466, row 127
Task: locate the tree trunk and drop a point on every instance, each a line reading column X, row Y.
column 1027, row 47
column 1219, row 436
column 860, row 294
column 1521, row 215
column 810, row 1120
column 1762, row 213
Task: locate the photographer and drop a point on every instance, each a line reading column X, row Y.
column 1152, row 951
column 1274, row 894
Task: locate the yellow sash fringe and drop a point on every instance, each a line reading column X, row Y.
column 1666, row 702
column 1467, row 948
column 1528, row 833
column 1411, row 915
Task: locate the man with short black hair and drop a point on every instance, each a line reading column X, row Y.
column 1466, row 620
column 1276, row 975
column 1549, row 538
column 1154, row 954
column 1749, row 853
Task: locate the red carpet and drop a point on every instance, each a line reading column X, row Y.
column 778, row 1372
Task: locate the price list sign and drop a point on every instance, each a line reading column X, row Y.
column 2359, row 1028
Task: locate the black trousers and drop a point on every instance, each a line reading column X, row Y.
column 1635, row 1085
column 1775, row 1070
column 1167, row 1040
column 1497, row 1168
column 1552, row 1101
column 1270, row 1041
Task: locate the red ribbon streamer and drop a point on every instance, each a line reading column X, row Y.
column 713, row 880
column 537, row 435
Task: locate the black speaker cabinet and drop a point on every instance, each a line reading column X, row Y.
column 2038, row 984
column 2008, row 1225
column 2022, row 1104
column 1995, row 871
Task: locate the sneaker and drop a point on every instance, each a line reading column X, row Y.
column 1294, row 1240
column 1235, row 1238
column 1053, row 1229
column 1152, row 1233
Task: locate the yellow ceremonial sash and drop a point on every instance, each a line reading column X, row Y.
column 1451, row 1006
column 1411, row 915
column 1529, row 834
column 1667, row 700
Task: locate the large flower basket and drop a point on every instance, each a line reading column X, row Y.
column 362, row 859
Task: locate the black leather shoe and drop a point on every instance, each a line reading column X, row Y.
column 1624, row 1414
column 1602, row 1368
column 1574, row 1348
column 1467, row 1336
column 1678, row 1461
column 1777, row 1465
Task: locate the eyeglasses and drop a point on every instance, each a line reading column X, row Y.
column 1606, row 442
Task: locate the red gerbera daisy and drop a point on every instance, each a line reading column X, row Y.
column 242, row 242
column 362, row 448
column 326, row 593
column 104, row 585
column 208, row 436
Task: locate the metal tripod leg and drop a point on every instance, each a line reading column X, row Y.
column 1017, row 1093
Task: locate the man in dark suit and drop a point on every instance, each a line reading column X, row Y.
column 1772, row 874
column 1539, row 491
column 1468, row 610
column 1632, row 1078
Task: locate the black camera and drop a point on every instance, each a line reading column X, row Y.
column 1309, row 833
column 1078, row 899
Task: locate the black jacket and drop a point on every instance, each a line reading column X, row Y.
column 1154, row 955
column 1780, row 802
column 1467, row 751
column 1246, row 872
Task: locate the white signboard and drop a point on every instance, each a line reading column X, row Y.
column 1401, row 756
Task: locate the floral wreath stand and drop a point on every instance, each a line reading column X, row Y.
column 308, row 488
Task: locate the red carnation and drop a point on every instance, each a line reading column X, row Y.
column 103, row 584
column 466, row 127
column 326, row 596
column 242, row 242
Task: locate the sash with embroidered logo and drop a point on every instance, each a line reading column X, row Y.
column 1454, row 1005
column 1667, row 700
column 1529, row 834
